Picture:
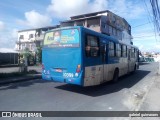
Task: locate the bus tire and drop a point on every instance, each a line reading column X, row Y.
column 116, row 75
column 134, row 69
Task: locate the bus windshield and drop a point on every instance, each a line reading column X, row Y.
column 62, row 38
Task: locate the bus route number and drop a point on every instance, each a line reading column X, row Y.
column 68, row 75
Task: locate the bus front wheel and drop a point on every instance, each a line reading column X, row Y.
column 115, row 75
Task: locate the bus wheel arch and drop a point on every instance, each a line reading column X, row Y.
column 115, row 75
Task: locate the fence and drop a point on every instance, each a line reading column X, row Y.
column 8, row 58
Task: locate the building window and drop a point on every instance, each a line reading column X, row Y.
column 92, row 46
column 30, row 35
column 103, row 25
column 91, row 23
column 111, row 49
column 67, row 24
column 119, row 34
column 23, row 46
column 110, row 30
column 21, row 37
column 114, row 31
column 79, row 23
column 27, row 46
column 19, row 47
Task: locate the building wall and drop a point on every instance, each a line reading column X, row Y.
column 26, row 36
column 26, row 39
column 126, row 38
column 109, row 24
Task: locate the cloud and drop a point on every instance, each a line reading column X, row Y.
column 2, row 26
column 65, row 8
column 157, row 46
column 14, row 33
column 35, row 19
column 141, row 47
column 145, row 35
column 126, row 8
column 8, row 38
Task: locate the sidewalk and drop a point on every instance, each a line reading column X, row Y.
column 20, row 78
column 151, row 101
column 26, row 77
column 16, row 69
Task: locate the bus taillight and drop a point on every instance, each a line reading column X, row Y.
column 78, row 68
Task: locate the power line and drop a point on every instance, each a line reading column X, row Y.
column 144, row 24
column 143, row 36
column 141, row 24
column 156, row 13
column 139, row 37
column 150, row 19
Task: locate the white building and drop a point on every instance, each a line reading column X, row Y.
column 31, row 38
column 26, row 38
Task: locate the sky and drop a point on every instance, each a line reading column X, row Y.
column 25, row 14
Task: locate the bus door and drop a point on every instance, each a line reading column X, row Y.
column 104, row 61
column 129, row 60
column 92, row 61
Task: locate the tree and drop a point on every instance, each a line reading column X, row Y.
column 39, row 54
column 26, row 54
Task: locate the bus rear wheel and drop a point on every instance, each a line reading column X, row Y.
column 116, row 75
column 134, row 70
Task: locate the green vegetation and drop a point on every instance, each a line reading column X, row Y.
column 27, row 57
column 39, row 54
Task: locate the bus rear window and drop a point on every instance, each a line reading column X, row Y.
column 62, row 38
column 92, row 46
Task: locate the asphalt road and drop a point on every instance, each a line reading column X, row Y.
column 39, row 95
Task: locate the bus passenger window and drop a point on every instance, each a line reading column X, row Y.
column 111, row 49
column 92, row 46
column 88, row 48
column 124, row 51
column 132, row 53
column 118, row 50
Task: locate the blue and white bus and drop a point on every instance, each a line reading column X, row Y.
column 77, row 55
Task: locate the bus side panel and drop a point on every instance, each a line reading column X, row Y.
column 93, row 75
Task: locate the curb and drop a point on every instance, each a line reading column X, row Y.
column 21, row 79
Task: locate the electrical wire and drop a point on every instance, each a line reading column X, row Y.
column 150, row 19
